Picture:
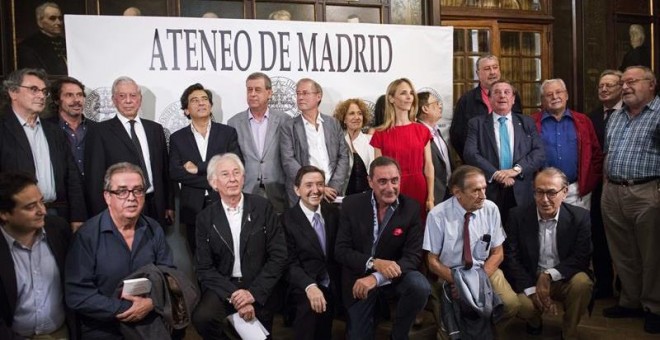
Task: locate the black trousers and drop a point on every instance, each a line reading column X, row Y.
column 308, row 324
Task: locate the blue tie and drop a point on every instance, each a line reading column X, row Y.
column 320, row 233
column 505, row 149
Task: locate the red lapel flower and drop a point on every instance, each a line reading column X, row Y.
column 397, row 231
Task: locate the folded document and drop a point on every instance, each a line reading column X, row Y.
column 249, row 330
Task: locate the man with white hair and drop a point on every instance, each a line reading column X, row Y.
column 241, row 253
column 129, row 138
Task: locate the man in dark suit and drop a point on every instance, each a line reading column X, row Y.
column 475, row 103
column 506, row 146
column 45, row 49
column 191, row 148
column 315, row 139
column 33, row 248
column 379, row 245
column 129, row 138
column 311, row 230
column 259, row 139
column 32, row 145
column 610, row 96
column 429, row 113
column 241, row 253
column 547, row 253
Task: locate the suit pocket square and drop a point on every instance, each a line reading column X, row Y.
column 397, row 231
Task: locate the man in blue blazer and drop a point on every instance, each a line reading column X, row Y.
column 190, row 150
column 316, row 139
column 507, row 147
column 259, row 139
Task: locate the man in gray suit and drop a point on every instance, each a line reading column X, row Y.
column 315, row 139
column 259, row 141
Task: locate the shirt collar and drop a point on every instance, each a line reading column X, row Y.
column 228, row 209
column 319, row 119
column 616, row 106
column 392, row 206
column 125, row 120
column 309, row 213
column 458, row 208
column 554, row 218
column 108, row 225
column 431, row 128
column 12, row 241
column 567, row 113
column 208, row 129
column 251, row 116
column 23, row 122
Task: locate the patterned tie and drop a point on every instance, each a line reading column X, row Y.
column 320, row 230
column 467, row 252
column 505, row 149
column 136, row 143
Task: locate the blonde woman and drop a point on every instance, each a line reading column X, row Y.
column 352, row 115
column 408, row 142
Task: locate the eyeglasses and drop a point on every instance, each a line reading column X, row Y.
column 124, row 193
column 35, row 90
column 199, row 100
column 608, row 86
column 551, row 194
column 435, row 102
column 631, row 82
column 304, row 93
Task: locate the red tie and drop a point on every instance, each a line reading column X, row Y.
column 467, row 252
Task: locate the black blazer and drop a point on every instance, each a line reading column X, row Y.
column 263, row 249
column 108, row 143
column 400, row 240
column 183, row 148
column 521, row 247
column 481, row 151
column 597, row 117
column 16, row 155
column 307, row 264
column 58, row 239
column 439, row 167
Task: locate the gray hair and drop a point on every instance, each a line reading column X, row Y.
column 551, row 81
column 648, row 73
column 485, row 57
column 260, row 75
column 610, row 72
column 41, row 9
column 211, row 169
column 15, row 79
column 124, row 79
column 317, row 86
column 553, row 172
column 122, row 167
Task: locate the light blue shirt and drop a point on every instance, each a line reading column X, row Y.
column 444, row 232
column 41, row 156
column 40, row 298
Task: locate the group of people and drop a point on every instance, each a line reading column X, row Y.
column 493, row 225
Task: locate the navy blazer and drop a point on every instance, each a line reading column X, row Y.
column 400, row 240
column 16, row 155
column 108, row 143
column 481, row 151
column 183, row 148
column 262, row 247
column 58, row 237
column 521, row 247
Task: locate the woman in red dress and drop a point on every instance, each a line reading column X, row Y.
column 408, row 142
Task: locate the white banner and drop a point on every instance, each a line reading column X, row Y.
column 167, row 54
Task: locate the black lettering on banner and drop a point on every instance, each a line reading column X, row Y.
column 225, row 51
column 175, row 53
column 385, row 38
column 307, row 54
column 271, row 38
column 284, row 50
column 157, row 54
column 347, row 39
column 248, row 47
column 327, row 55
column 191, row 48
column 209, row 51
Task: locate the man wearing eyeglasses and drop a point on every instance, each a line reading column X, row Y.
column 570, row 143
column 109, row 247
column 609, row 95
column 547, row 253
column 631, row 197
column 315, row 139
column 40, row 148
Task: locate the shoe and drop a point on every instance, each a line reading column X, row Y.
column 651, row 323
column 618, row 312
column 532, row 330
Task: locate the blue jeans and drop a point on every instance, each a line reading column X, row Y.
column 412, row 291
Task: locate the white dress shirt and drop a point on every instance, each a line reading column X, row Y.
column 234, row 217
column 144, row 144
column 318, row 151
column 548, row 253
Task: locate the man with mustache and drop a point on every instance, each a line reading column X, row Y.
column 475, row 102
column 313, row 275
column 39, row 148
column 631, row 197
column 468, row 213
column 379, row 245
column 45, row 49
column 570, row 143
column 547, row 253
column 109, row 247
column 69, row 101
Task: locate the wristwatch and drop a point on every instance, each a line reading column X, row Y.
column 517, row 168
column 370, row 264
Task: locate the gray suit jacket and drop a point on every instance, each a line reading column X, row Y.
column 295, row 152
column 268, row 166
